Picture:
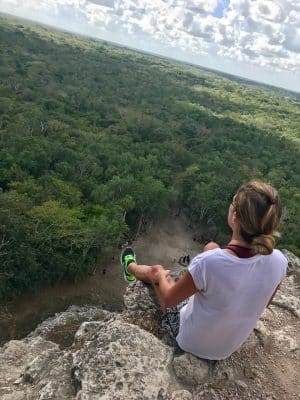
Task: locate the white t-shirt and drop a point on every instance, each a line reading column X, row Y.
column 233, row 293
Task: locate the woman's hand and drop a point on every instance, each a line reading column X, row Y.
column 158, row 272
column 172, row 293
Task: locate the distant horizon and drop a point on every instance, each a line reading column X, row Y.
column 255, row 40
column 141, row 51
column 216, row 71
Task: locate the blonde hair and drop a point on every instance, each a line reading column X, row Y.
column 258, row 209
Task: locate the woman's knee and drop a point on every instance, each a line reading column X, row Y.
column 211, row 246
column 154, row 271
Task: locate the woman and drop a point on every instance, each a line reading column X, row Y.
column 226, row 290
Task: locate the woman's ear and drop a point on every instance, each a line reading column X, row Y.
column 235, row 220
column 234, row 217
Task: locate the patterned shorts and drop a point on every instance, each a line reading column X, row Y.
column 171, row 319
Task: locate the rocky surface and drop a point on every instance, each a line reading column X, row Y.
column 87, row 353
column 293, row 265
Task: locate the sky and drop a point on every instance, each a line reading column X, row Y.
column 255, row 39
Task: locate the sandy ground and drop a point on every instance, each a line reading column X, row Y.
column 166, row 242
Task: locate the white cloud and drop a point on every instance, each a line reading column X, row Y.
column 292, row 38
column 96, row 15
column 105, row 3
column 265, row 33
column 267, row 10
column 203, row 27
column 202, row 6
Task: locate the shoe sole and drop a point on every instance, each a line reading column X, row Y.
column 124, row 273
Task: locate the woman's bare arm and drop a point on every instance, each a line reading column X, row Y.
column 171, row 293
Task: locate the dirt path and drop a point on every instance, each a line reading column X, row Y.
column 166, row 241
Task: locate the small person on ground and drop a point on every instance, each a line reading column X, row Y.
column 214, row 306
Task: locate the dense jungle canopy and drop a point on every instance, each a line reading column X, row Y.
column 95, row 139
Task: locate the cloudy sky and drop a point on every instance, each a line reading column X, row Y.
column 256, row 39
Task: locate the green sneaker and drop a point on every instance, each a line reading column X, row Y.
column 127, row 257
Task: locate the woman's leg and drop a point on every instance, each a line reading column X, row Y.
column 148, row 274
column 145, row 273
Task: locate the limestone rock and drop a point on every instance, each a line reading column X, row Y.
column 139, row 296
column 86, row 331
column 49, row 372
column 32, row 368
column 293, row 262
column 181, row 395
column 289, row 302
column 293, row 265
column 13, row 355
column 111, row 358
column 267, row 315
column 224, row 371
column 142, row 309
column 241, row 384
column 263, row 333
column 190, row 369
column 62, row 326
column 121, row 361
column 283, row 338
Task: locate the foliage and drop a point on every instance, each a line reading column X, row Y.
column 95, row 137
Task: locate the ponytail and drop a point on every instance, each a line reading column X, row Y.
column 258, row 209
column 263, row 244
